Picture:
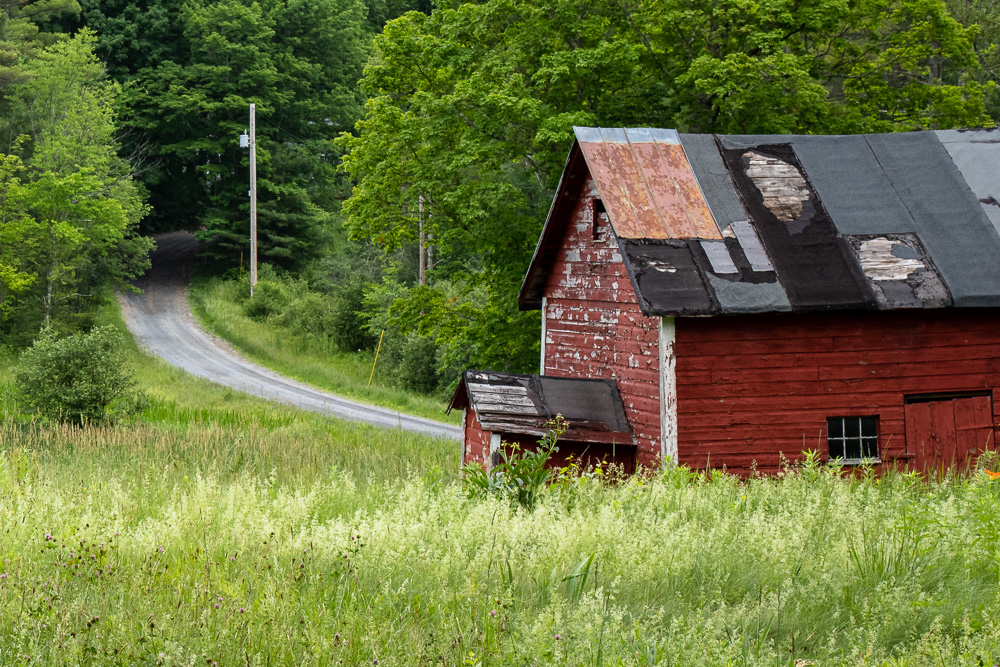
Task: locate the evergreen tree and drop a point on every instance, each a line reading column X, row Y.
column 299, row 62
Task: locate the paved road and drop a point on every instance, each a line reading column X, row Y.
column 161, row 321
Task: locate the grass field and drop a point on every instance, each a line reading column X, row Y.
column 216, row 529
column 120, row 547
column 315, row 362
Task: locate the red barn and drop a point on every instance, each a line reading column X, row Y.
column 743, row 298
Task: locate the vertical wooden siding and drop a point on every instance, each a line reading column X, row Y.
column 751, row 387
column 594, row 328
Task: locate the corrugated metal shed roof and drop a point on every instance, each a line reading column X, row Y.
column 798, row 223
column 523, row 404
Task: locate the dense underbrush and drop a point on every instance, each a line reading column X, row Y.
column 173, row 560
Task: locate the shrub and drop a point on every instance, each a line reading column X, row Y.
column 417, row 367
column 80, row 378
column 520, row 476
column 270, row 298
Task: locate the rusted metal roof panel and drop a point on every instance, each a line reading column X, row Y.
column 646, row 183
column 524, row 404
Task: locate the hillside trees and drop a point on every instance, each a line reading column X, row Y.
column 471, row 109
column 20, row 34
column 69, row 209
column 195, row 72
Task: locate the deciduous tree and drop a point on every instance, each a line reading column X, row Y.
column 471, row 108
column 70, row 208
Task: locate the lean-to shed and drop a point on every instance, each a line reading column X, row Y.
column 751, row 297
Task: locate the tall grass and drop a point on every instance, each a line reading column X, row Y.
column 312, row 360
column 216, row 529
column 160, row 563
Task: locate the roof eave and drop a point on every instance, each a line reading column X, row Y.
column 530, row 297
column 461, row 398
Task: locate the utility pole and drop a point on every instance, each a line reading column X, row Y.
column 253, row 197
column 422, row 276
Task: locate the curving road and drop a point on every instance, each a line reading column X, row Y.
column 161, row 321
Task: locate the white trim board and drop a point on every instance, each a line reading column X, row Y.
column 545, row 317
column 494, row 448
column 668, row 391
column 465, row 436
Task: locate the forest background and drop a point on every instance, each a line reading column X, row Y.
column 408, row 149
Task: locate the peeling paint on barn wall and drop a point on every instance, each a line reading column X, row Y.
column 668, row 390
column 476, row 442
column 594, row 327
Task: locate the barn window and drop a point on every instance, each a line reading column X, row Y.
column 600, row 219
column 852, row 439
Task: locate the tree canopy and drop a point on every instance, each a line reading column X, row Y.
column 450, row 124
column 191, row 70
column 470, row 109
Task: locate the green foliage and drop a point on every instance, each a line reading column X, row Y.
column 470, row 110
column 346, row 323
column 81, row 378
column 982, row 17
column 520, row 476
column 133, row 34
column 418, row 366
column 299, row 61
column 70, row 210
column 429, row 335
column 316, row 311
column 279, row 342
column 21, row 35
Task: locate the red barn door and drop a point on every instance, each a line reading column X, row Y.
column 948, row 431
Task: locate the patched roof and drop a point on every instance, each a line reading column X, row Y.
column 524, row 404
column 718, row 224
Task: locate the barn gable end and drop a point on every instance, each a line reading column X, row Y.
column 594, row 326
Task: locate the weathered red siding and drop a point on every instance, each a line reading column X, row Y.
column 594, row 328
column 751, row 388
column 477, row 441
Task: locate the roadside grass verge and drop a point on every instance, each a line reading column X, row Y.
column 193, row 422
column 110, row 561
column 310, row 360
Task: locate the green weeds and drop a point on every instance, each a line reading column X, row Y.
column 122, row 554
column 521, row 475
